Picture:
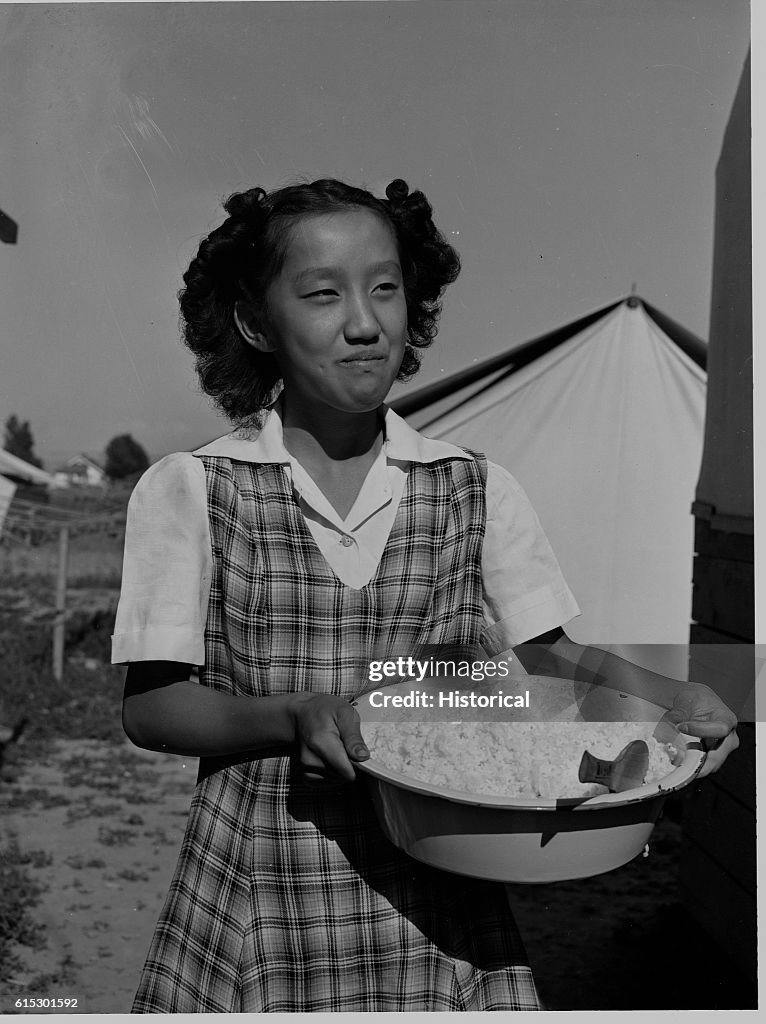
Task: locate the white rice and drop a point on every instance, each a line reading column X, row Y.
column 514, row 759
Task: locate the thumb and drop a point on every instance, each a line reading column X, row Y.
column 357, row 749
column 705, row 730
column 350, row 732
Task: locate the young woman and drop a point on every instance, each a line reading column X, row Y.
column 280, row 560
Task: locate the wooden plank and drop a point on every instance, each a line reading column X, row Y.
column 727, row 523
column 723, row 595
column 723, row 909
column 737, row 547
column 725, row 829
column 719, row 851
column 699, row 634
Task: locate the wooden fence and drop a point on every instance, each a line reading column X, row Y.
column 30, row 525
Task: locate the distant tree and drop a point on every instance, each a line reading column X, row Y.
column 19, row 441
column 124, row 457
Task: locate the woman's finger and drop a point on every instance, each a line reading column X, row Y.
column 697, row 702
column 349, row 726
column 717, row 754
column 325, row 753
column 313, row 769
column 330, row 739
column 715, row 729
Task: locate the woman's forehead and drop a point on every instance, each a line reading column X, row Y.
column 329, row 238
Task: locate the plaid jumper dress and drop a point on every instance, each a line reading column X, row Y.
column 288, row 897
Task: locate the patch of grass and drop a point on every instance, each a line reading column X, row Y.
column 115, row 772
column 89, row 635
column 99, row 926
column 115, row 836
column 109, row 779
column 136, row 796
column 95, row 559
column 62, row 978
column 78, row 863
column 84, row 705
column 129, row 875
column 160, row 837
column 35, row 796
column 108, row 785
column 122, row 763
column 98, row 581
column 86, row 809
column 19, row 893
column 35, row 858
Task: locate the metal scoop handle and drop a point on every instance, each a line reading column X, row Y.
column 626, row 771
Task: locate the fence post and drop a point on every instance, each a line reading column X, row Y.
column 59, row 620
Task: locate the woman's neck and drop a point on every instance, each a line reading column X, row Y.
column 337, row 436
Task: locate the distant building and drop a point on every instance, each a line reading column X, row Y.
column 81, row 471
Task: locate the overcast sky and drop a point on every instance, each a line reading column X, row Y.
column 568, row 147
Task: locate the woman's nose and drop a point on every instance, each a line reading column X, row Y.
column 361, row 321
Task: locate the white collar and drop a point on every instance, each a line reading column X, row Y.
column 402, row 443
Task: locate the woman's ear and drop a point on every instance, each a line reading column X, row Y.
column 248, row 326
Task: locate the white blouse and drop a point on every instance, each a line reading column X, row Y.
column 168, row 556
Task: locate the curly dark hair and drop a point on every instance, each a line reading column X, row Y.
column 241, row 257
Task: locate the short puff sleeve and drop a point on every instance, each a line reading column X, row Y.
column 525, row 593
column 167, row 566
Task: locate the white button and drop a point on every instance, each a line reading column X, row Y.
column 346, row 541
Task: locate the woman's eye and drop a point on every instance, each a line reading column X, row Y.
column 388, row 286
column 322, row 292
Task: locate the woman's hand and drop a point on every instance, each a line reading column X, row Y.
column 328, row 736
column 699, row 711
column 695, row 709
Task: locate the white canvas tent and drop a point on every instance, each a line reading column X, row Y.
column 14, row 468
column 7, row 490
column 15, row 471
column 601, row 421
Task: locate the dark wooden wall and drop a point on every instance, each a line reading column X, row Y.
column 718, row 864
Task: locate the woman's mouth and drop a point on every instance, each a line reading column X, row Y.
column 362, row 360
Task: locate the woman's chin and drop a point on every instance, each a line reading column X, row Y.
column 355, row 398
column 365, row 397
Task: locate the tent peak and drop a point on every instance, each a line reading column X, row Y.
column 520, row 355
column 688, row 342
column 509, row 361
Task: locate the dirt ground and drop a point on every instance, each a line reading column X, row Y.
column 105, row 822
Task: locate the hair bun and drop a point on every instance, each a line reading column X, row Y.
column 397, row 191
column 410, row 209
column 246, row 206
